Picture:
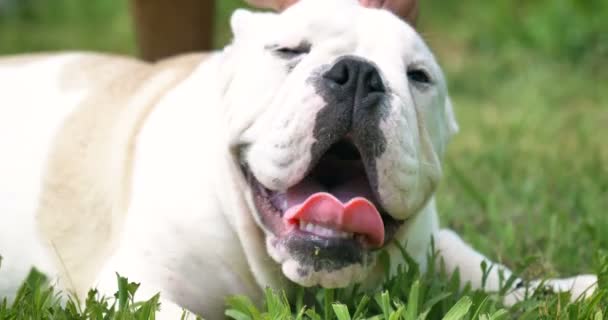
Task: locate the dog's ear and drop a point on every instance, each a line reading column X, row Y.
column 245, row 21
column 450, row 117
column 443, row 125
column 239, row 20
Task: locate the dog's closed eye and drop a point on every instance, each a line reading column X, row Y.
column 419, row 76
column 290, row 52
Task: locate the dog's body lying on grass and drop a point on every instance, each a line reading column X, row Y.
column 291, row 156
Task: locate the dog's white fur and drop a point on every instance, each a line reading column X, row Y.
column 112, row 165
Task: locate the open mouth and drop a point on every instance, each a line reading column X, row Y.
column 334, row 202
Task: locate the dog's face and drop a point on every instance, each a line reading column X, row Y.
column 338, row 115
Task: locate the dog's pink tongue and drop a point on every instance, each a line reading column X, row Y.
column 358, row 215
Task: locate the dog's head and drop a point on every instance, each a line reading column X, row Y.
column 338, row 116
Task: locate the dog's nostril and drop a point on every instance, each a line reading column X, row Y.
column 338, row 74
column 373, row 81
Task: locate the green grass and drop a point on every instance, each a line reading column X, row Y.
column 526, row 179
column 408, row 294
column 36, row 299
column 405, row 295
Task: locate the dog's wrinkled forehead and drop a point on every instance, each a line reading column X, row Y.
column 324, row 24
column 334, row 27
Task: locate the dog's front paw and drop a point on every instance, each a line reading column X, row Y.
column 580, row 287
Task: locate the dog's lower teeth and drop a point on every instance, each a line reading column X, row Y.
column 324, row 231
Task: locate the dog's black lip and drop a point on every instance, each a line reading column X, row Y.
column 323, row 253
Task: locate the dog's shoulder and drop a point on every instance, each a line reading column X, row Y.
column 86, row 186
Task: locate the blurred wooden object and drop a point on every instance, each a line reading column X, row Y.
column 166, row 28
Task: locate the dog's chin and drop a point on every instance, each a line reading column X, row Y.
column 314, row 245
column 314, row 270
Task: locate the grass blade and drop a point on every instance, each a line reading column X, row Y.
column 459, row 310
column 341, row 311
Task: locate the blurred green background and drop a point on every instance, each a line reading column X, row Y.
column 527, row 176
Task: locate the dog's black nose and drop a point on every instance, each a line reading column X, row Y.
column 355, row 78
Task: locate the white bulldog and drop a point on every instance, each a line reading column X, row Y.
column 292, row 156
